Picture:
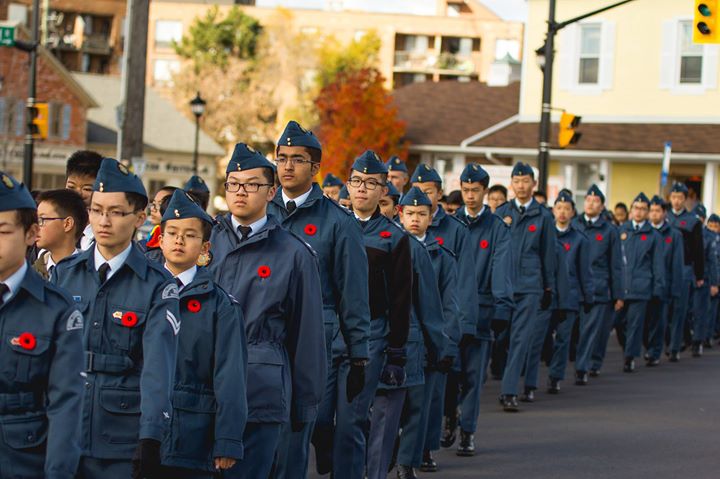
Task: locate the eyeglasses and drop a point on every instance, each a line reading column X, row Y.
column 370, row 183
column 112, row 214
column 233, row 187
column 293, row 160
column 42, row 221
column 154, row 206
column 185, row 237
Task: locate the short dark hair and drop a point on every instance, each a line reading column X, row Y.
column 83, row 162
column 455, row 198
column 67, row 203
column 136, row 200
column 498, row 188
column 206, row 229
column 622, row 206
column 540, row 193
column 168, row 189
column 27, row 217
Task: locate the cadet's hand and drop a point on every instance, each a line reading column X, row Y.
column 393, row 374
column 619, row 304
column 498, row 326
column 714, row 290
column 561, row 315
column 546, row 300
column 224, row 462
column 466, row 340
column 699, row 283
column 355, row 379
column 146, row 460
column 587, row 307
column 445, row 364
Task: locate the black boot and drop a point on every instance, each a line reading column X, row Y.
column 510, row 403
column 707, row 344
column 674, row 356
column 466, row 448
column 428, row 463
column 553, row 386
column 629, row 365
column 594, row 373
column 406, row 472
column 528, row 395
column 581, row 378
column 450, row 431
column 697, row 349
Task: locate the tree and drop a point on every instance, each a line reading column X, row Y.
column 356, row 114
column 335, row 59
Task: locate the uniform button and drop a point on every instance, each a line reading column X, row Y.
column 95, row 324
column 30, row 437
column 123, row 405
column 88, row 385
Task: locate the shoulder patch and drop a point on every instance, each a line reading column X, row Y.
column 174, row 323
column 74, row 321
column 170, row 292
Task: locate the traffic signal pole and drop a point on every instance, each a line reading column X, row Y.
column 552, row 30
column 29, row 140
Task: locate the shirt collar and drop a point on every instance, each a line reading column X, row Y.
column 421, row 238
column 657, row 226
column 115, row 263
column 51, row 264
column 526, row 205
column 257, row 226
column 591, row 220
column 299, row 200
column 638, row 225
column 186, row 276
column 562, row 230
column 482, row 210
column 13, row 282
column 87, row 238
column 362, row 219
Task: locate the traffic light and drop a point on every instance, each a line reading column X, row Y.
column 567, row 134
column 39, row 120
column 707, row 25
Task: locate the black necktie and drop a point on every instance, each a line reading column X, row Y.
column 3, row 289
column 179, row 282
column 522, row 210
column 103, row 271
column 637, row 227
column 50, row 270
column 290, row 206
column 244, row 232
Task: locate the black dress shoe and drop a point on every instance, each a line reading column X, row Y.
column 594, row 373
column 553, row 386
column 510, row 403
column 646, row 356
column 629, row 365
column 707, row 344
column 652, row 362
column 466, row 448
column 450, row 431
column 674, row 356
column 581, row 378
column 428, row 463
column 697, row 349
column 528, row 395
column 406, row 472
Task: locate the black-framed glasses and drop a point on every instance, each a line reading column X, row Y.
column 173, row 235
column 234, row 187
column 370, row 183
column 112, row 214
column 293, row 160
column 42, row 221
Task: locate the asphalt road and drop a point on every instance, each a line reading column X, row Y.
column 657, row 423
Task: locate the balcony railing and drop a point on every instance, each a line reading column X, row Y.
column 426, row 62
column 97, row 43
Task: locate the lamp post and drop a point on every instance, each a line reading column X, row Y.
column 197, row 105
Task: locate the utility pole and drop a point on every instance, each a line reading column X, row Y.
column 29, row 140
column 132, row 107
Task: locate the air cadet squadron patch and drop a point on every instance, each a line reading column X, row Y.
column 7, row 182
column 204, row 259
column 623, row 236
column 170, row 292
column 75, row 321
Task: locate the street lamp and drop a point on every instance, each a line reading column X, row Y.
column 197, row 105
column 540, row 57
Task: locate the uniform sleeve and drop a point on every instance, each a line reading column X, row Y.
column 350, row 276
column 711, row 263
column 429, row 305
column 159, row 352
column 230, row 380
column 697, row 249
column 467, row 295
column 64, row 397
column 658, row 266
column 400, row 280
column 587, row 284
column 305, row 341
column 447, row 284
column 548, row 254
column 501, row 279
column 677, row 264
column 616, row 266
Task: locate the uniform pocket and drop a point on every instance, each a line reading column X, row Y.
column 193, row 427
column 25, row 432
column 120, row 415
column 125, row 332
column 29, row 356
column 266, row 382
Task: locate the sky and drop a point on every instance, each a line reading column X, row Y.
column 508, row 9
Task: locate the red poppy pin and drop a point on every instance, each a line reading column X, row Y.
column 683, row 223
column 668, row 240
column 129, row 319
column 598, row 237
column 567, row 246
column 643, row 238
column 310, row 229
column 484, row 244
column 440, row 241
column 194, row 306
column 532, row 228
column 264, row 272
column 26, row 341
column 385, row 234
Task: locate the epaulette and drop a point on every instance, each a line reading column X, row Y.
column 457, row 219
column 447, row 250
column 302, row 241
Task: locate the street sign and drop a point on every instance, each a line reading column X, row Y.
column 7, row 36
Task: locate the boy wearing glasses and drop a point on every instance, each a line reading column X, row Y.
column 274, row 277
column 62, row 217
column 132, row 320
column 336, row 237
column 209, row 401
column 80, row 173
column 152, row 242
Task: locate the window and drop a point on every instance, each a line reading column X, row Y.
column 691, row 55
column 686, row 68
column 589, row 67
column 163, row 70
column 167, row 32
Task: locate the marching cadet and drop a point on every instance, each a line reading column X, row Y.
column 41, row 387
column 490, row 240
column 713, row 224
column 131, row 323
column 208, row 399
column 533, row 263
column 702, row 295
column 644, row 275
column 497, row 195
column 426, row 343
column 152, row 242
column 389, row 203
column 659, row 308
column 575, row 287
column 273, row 275
column 80, row 173
column 62, row 218
column 344, row 198
column 333, row 233
column 694, row 260
column 606, row 267
column 331, row 186
column 390, row 286
column 398, row 173
column 198, row 190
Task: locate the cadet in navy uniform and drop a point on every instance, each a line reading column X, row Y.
column 41, row 356
column 390, row 285
column 397, row 173
column 331, row 186
column 659, row 308
column 693, row 272
column 534, row 267
column 606, row 265
column 702, row 295
column 389, row 203
column 198, row 190
column 490, row 241
column 131, row 323
column 337, row 239
column 644, row 275
column 713, row 224
column 274, row 277
column 209, row 400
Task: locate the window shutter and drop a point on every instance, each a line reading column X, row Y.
column 607, row 55
column 669, row 53
column 66, row 118
column 568, row 57
column 710, row 67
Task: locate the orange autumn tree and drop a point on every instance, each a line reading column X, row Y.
column 356, row 114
